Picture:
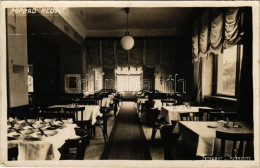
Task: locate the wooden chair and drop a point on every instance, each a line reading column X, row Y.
column 235, row 137
column 50, row 112
column 198, row 116
column 185, row 117
column 231, row 116
column 116, row 104
column 213, row 117
column 148, row 105
column 102, row 124
column 169, row 139
column 76, row 113
column 157, row 123
column 80, row 144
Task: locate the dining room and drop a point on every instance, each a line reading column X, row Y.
column 130, row 83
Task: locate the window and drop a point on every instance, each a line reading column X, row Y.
column 128, row 79
column 228, row 70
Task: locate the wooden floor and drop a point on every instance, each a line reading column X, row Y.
column 127, row 140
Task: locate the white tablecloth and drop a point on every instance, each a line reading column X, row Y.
column 44, row 149
column 105, row 102
column 111, row 97
column 173, row 112
column 208, row 144
column 141, row 100
column 90, row 112
column 157, row 103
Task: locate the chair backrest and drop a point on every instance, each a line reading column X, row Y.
column 230, row 115
column 154, row 115
column 149, row 104
column 198, row 116
column 165, row 131
column 50, row 112
column 208, row 111
column 185, row 117
column 168, row 139
column 214, row 114
column 235, row 137
column 74, row 113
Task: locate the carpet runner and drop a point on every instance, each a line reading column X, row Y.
column 127, row 140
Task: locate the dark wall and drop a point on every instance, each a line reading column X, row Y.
column 53, row 54
column 183, row 66
column 148, row 75
column 44, row 57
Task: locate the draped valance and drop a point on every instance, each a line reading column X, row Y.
column 195, row 41
column 108, row 54
column 216, row 29
column 93, row 52
column 203, row 38
column 136, row 54
column 152, row 52
column 122, row 55
column 149, row 52
column 231, row 27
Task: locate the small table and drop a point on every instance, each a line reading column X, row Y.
column 203, row 138
column 173, row 112
column 44, row 149
column 90, row 112
column 168, row 101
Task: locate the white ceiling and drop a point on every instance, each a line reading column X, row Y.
column 111, row 22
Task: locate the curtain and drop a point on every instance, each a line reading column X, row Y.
column 152, row 52
column 203, row 39
column 199, row 76
column 93, row 52
column 122, row 55
column 216, row 29
column 231, row 27
column 136, row 54
column 108, row 54
column 195, row 41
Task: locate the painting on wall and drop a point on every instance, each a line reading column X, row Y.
column 72, row 83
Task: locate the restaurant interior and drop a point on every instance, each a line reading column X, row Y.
column 139, row 83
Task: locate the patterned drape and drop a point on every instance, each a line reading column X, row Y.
column 231, row 27
column 136, row 54
column 122, row 55
column 93, row 52
column 203, row 39
column 216, row 29
column 195, row 41
column 108, row 54
column 152, row 52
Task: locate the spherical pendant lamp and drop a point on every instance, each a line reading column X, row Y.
column 127, row 41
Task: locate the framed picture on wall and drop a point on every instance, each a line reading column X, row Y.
column 72, row 83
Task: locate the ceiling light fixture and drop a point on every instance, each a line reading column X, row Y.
column 127, row 41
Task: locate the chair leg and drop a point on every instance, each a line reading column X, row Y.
column 104, row 134
column 153, row 134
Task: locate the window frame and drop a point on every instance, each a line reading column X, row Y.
column 215, row 74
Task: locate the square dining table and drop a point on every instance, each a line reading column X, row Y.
column 90, row 112
column 201, row 135
column 172, row 113
column 45, row 148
